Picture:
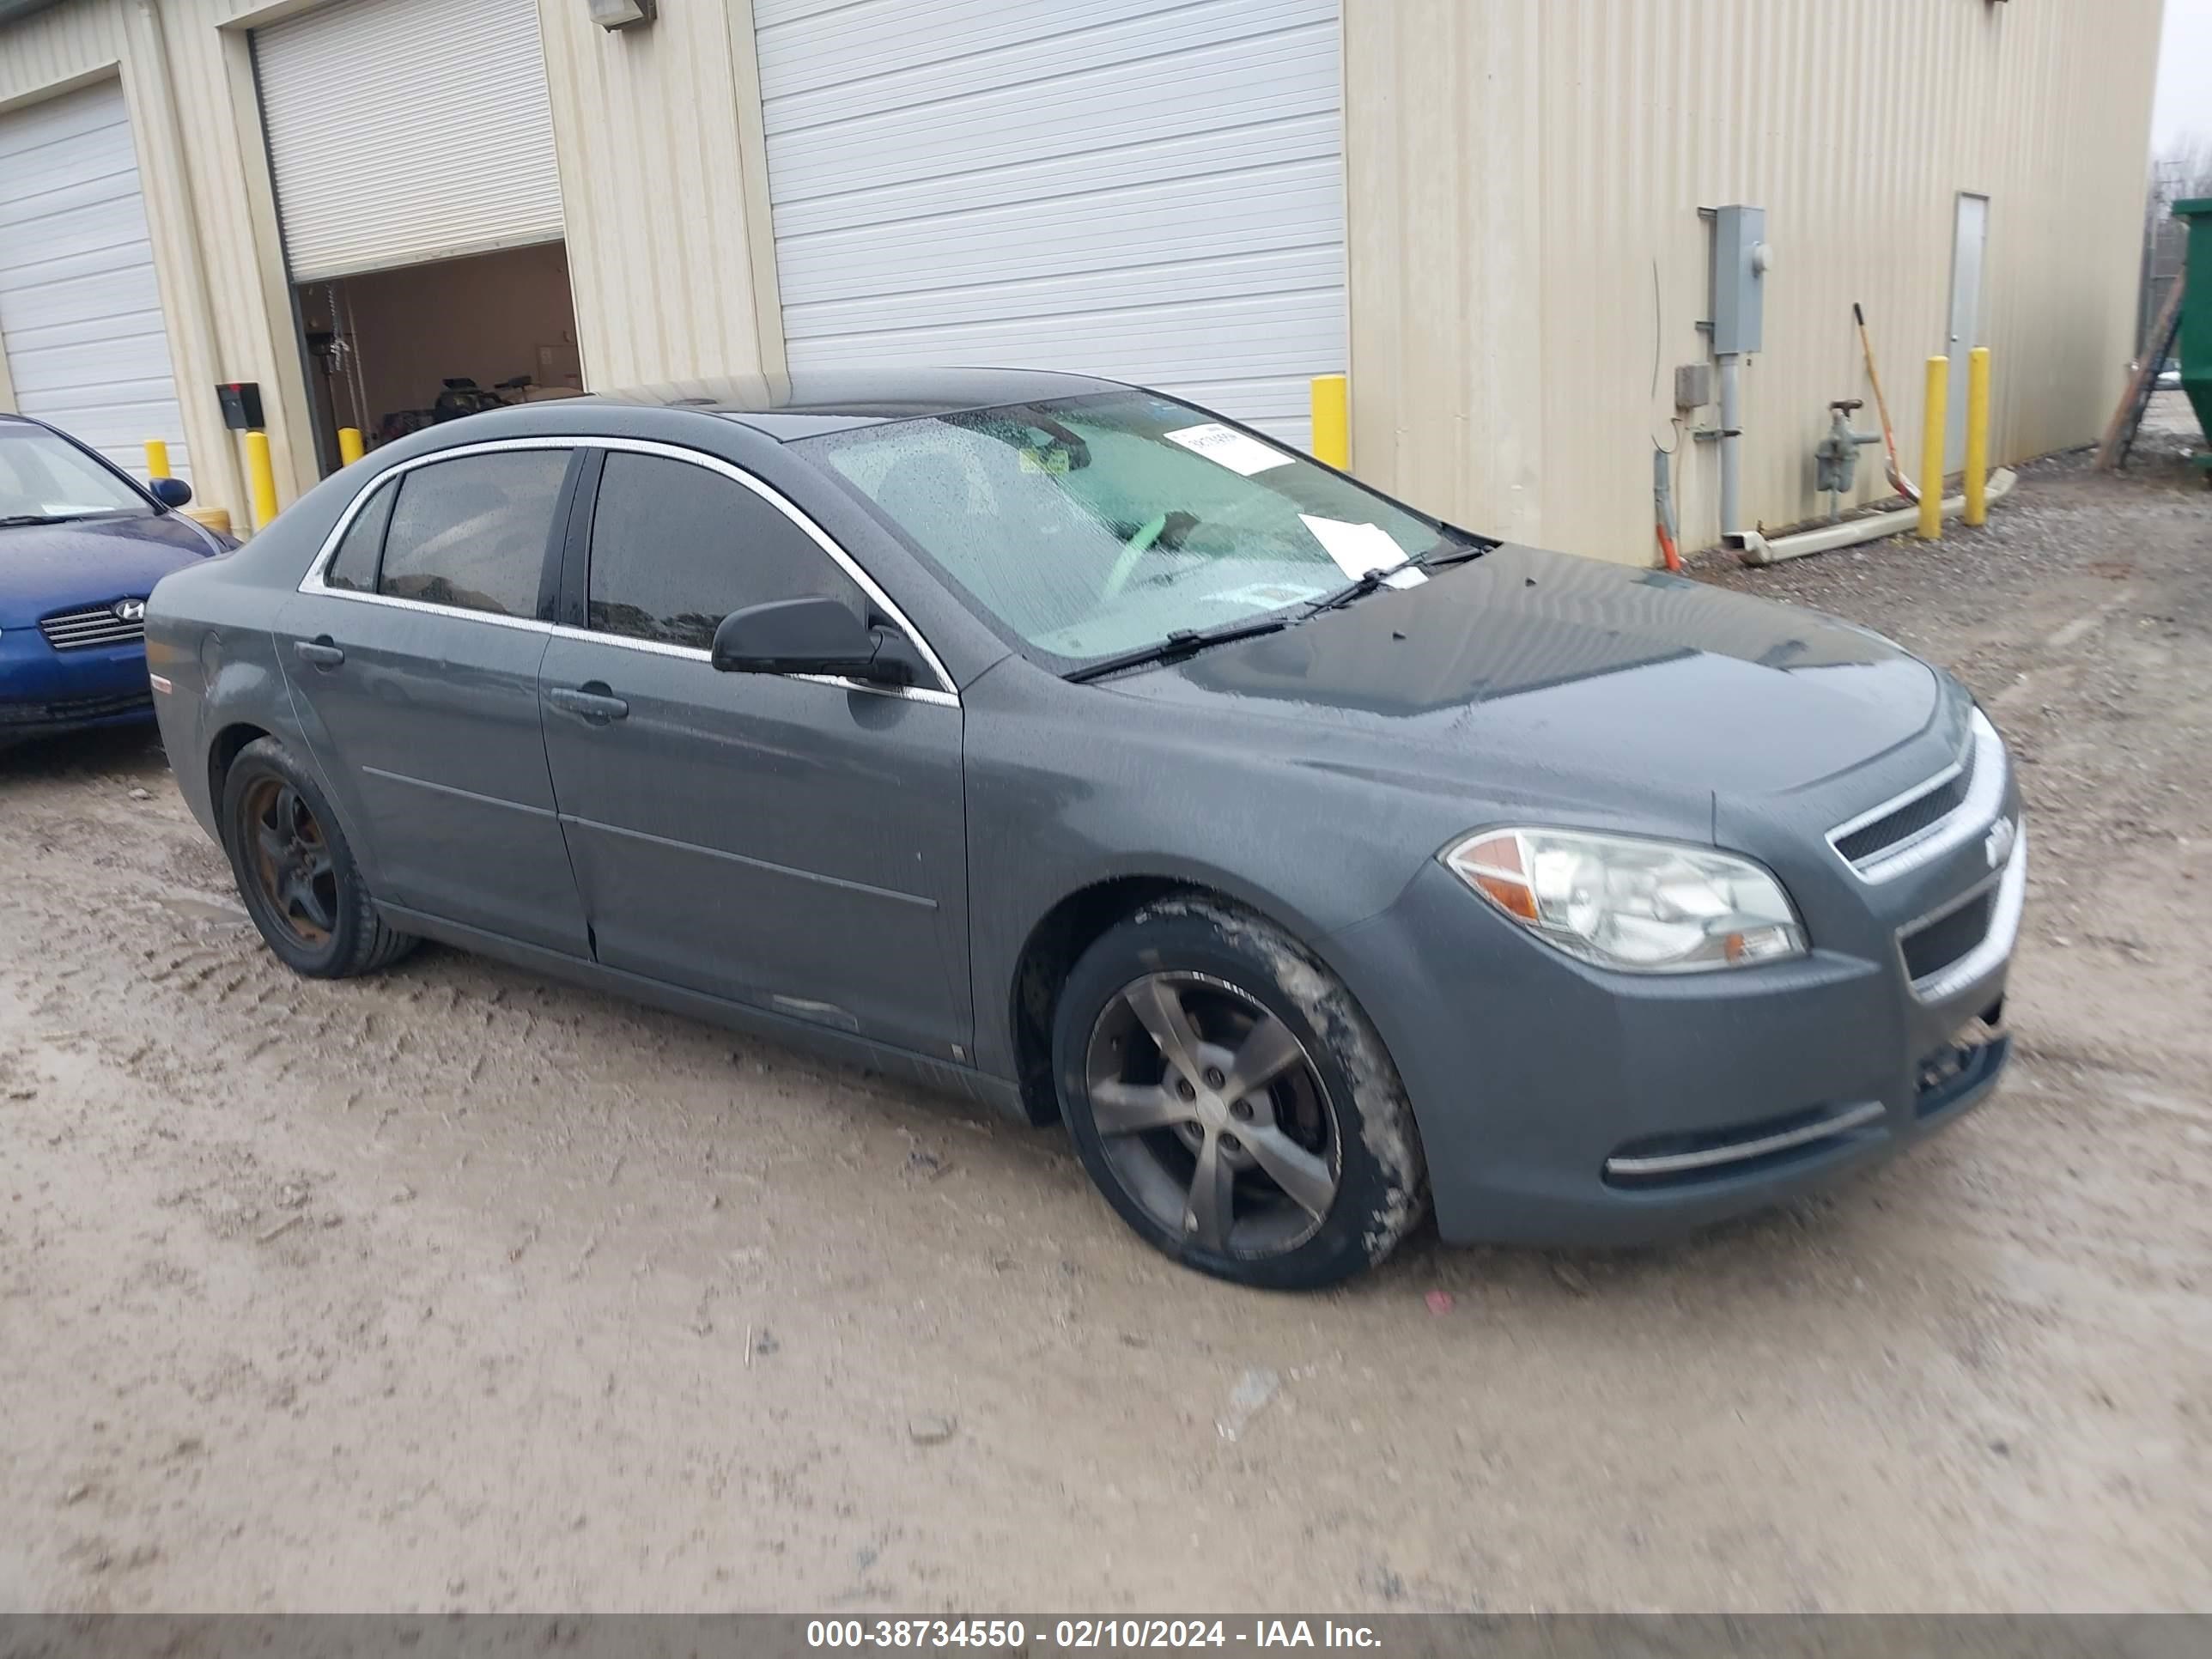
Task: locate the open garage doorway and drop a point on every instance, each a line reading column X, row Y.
column 411, row 148
column 391, row 351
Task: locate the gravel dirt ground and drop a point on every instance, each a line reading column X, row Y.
column 457, row 1288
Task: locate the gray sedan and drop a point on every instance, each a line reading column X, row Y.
column 1061, row 743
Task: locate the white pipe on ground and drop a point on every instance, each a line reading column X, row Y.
column 1756, row 549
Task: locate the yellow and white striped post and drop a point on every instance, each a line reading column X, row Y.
column 157, row 459
column 1331, row 420
column 1933, row 438
column 350, row 447
column 261, row 477
column 1977, row 435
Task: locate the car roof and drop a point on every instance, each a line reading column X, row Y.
column 801, row 405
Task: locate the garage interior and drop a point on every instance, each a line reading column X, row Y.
column 391, row 351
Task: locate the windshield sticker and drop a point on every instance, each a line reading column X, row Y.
column 1231, row 449
column 1054, row 461
column 1360, row 548
column 1266, row 596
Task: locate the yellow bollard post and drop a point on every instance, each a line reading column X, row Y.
column 350, row 447
column 1977, row 435
column 1332, row 420
column 261, row 476
column 1932, row 439
column 157, row 459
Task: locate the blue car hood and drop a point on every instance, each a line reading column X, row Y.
column 61, row 567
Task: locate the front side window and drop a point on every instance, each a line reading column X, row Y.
column 47, row 479
column 472, row 532
column 1089, row 526
column 677, row 548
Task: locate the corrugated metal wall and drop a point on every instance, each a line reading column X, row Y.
column 1524, row 172
column 188, row 81
column 658, row 135
column 1515, row 168
column 669, row 250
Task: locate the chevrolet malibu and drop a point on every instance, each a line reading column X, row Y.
column 1057, row 741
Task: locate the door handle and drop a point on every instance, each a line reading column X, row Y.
column 593, row 702
column 321, row 651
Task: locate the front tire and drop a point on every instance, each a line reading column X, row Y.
column 1232, row 1102
column 296, row 873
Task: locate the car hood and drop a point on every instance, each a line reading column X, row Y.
column 1579, row 669
column 58, row 567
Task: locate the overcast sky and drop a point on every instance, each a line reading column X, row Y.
column 2184, row 73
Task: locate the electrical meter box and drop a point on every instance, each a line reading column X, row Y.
column 1740, row 262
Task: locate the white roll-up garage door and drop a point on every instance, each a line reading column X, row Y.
column 404, row 131
column 1146, row 189
column 80, row 309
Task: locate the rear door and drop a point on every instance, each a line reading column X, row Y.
column 794, row 843
column 415, row 652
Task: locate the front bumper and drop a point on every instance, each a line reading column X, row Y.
column 1562, row 1104
column 44, row 691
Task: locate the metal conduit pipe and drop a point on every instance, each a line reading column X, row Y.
column 1731, row 447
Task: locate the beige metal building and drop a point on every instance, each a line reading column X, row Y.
column 1486, row 211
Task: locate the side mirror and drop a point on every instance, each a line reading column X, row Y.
column 796, row 636
column 172, row 493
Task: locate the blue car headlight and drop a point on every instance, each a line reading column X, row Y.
column 1636, row 905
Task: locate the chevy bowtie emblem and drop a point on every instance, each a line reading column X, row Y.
column 130, row 610
column 2002, row 833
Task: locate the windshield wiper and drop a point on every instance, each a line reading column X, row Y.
column 1183, row 643
column 14, row 519
column 1457, row 547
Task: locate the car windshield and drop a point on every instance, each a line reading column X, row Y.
column 43, row 476
column 1095, row 525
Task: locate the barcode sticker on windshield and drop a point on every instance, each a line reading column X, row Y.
column 1231, row 449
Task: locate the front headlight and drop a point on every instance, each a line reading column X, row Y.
column 1621, row 902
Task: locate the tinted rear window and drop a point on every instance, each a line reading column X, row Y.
column 472, row 532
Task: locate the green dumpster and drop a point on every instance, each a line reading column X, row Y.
column 2196, row 337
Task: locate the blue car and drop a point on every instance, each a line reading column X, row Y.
column 81, row 544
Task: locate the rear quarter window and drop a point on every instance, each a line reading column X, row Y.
column 353, row 567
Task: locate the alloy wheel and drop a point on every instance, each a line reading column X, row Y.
column 290, row 858
column 1213, row 1114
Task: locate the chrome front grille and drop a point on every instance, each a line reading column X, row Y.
column 1930, row 819
column 99, row 624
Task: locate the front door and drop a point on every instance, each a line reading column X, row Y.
column 1971, row 244
column 796, row 844
column 414, row 655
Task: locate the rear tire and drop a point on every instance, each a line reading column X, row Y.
column 1310, row 1176
column 295, row 871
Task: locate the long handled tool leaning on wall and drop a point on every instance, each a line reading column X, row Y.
column 1897, row 480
